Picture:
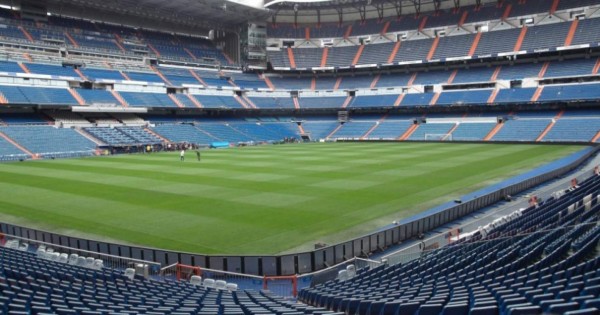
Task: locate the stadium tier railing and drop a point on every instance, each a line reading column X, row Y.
column 440, row 240
column 284, row 286
column 148, row 268
column 322, row 258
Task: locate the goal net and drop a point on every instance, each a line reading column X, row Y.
column 438, row 137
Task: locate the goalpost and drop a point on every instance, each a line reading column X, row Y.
column 438, row 137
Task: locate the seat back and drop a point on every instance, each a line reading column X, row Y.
column 196, row 281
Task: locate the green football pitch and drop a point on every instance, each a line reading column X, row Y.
column 253, row 200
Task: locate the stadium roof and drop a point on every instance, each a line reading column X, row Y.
column 354, row 8
column 331, row 4
column 208, row 14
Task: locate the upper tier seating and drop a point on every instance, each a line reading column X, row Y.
column 322, row 102
column 586, row 32
column 144, row 76
column 308, row 57
column 97, row 97
column 290, row 83
column 375, row 54
column 147, row 99
column 541, row 36
column 575, row 93
column 497, row 41
column 249, row 81
column 417, row 99
column 37, row 95
column 10, row 66
column 448, row 98
column 111, row 39
column 374, row 100
column 453, row 46
column 51, row 70
column 394, row 79
column 185, row 100
column 95, row 74
column 355, row 82
column 577, row 67
column 218, row 101
column 413, row 50
column 545, row 36
column 515, row 95
column 343, row 56
column 448, row 17
column 478, row 74
column 178, row 77
column 273, row 102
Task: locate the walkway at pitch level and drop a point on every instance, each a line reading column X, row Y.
column 482, row 217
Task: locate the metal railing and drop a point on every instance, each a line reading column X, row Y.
column 108, row 261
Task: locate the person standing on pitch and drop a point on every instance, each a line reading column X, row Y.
column 198, row 154
column 182, row 155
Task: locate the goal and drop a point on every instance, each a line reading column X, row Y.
column 438, row 137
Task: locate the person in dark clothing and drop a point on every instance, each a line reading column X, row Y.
column 198, row 154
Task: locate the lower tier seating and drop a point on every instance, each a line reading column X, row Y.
column 543, row 259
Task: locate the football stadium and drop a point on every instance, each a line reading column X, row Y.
column 241, row 157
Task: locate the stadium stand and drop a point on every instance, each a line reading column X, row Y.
column 47, row 141
column 37, row 95
column 542, row 259
column 34, row 285
column 498, row 270
column 147, row 99
column 521, row 129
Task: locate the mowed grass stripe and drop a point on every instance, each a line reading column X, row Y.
column 166, row 221
column 255, row 200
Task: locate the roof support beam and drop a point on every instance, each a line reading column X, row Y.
column 417, row 4
column 318, row 17
column 436, row 5
column 398, row 7
column 379, row 7
column 340, row 12
column 295, row 18
column 362, row 10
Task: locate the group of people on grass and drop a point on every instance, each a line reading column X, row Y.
column 182, row 155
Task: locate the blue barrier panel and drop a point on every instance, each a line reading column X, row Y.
column 222, row 144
